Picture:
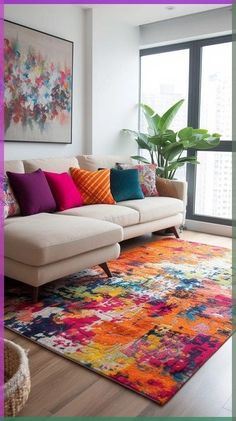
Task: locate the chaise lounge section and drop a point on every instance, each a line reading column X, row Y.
column 44, row 247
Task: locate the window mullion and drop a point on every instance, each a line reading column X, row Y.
column 194, row 84
column 193, row 118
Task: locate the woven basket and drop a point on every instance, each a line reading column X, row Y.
column 16, row 378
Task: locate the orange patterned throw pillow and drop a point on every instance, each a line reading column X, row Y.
column 94, row 186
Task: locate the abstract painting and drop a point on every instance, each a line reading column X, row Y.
column 38, row 77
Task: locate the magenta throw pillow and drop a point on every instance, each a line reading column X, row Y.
column 32, row 192
column 64, row 190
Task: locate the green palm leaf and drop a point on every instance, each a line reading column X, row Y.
column 169, row 115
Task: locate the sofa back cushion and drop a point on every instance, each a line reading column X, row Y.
column 57, row 165
column 94, row 162
column 14, row 166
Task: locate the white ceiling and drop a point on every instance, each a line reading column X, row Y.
column 147, row 13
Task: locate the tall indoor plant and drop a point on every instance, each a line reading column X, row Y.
column 165, row 146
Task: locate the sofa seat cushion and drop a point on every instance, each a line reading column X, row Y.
column 120, row 215
column 44, row 238
column 154, row 208
column 13, row 219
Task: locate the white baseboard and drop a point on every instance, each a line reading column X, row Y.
column 208, row 228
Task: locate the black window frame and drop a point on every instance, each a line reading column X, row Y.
column 194, row 99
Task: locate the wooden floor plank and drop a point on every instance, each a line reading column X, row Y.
column 63, row 388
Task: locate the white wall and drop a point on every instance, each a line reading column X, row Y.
column 65, row 21
column 88, row 79
column 115, row 82
column 196, row 26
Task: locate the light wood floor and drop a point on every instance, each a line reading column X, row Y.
column 63, row 388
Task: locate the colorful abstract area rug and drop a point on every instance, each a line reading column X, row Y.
column 150, row 327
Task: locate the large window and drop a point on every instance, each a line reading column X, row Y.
column 216, row 89
column 201, row 73
column 161, row 87
column 213, row 185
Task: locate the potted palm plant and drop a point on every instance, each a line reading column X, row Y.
column 166, row 146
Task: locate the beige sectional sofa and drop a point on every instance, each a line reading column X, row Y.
column 43, row 247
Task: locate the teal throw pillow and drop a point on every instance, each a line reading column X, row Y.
column 125, row 185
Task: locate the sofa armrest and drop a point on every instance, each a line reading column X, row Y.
column 172, row 188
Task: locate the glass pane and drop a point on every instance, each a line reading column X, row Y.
column 214, row 184
column 216, row 89
column 164, row 81
column 181, row 171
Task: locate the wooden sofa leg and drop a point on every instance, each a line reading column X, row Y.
column 172, row 230
column 35, row 294
column 160, row 232
column 106, row 269
column 175, row 232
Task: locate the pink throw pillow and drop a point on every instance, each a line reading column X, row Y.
column 64, row 190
